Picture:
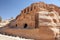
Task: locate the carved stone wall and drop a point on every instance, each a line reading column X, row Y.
column 29, row 16
column 44, row 17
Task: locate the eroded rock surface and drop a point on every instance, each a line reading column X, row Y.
column 37, row 21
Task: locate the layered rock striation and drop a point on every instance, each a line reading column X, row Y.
column 37, row 21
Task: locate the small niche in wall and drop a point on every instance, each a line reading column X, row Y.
column 25, row 25
column 34, row 7
column 16, row 25
column 28, row 9
column 31, row 8
column 54, row 20
column 24, row 10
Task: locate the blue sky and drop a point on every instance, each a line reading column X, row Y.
column 12, row 8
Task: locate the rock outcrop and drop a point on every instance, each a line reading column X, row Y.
column 36, row 22
column 30, row 15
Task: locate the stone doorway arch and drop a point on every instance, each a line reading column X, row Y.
column 25, row 25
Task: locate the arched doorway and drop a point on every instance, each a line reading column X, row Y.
column 16, row 25
column 25, row 25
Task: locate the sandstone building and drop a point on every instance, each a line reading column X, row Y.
column 31, row 17
column 37, row 21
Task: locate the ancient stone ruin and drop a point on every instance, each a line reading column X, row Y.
column 37, row 21
column 30, row 16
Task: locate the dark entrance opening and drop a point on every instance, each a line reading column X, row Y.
column 25, row 25
column 16, row 25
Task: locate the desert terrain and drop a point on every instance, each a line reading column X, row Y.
column 6, row 37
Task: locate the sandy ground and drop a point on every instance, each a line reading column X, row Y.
column 5, row 37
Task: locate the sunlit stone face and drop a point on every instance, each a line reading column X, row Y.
column 48, row 18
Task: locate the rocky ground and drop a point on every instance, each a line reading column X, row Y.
column 5, row 37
